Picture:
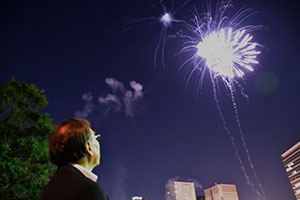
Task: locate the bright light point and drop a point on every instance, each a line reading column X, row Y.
column 166, row 19
column 228, row 53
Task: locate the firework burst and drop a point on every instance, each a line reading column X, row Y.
column 228, row 53
column 221, row 45
column 166, row 18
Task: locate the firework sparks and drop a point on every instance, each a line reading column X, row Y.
column 220, row 44
column 224, row 47
column 166, row 19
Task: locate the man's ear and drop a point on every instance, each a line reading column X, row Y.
column 88, row 148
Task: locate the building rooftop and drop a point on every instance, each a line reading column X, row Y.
column 293, row 148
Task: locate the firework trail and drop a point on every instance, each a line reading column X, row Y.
column 166, row 18
column 233, row 142
column 223, row 47
column 262, row 195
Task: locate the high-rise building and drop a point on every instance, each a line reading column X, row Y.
column 291, row 160
column 178, row 190
column 221, row 192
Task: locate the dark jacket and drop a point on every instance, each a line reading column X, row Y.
column 69, row 183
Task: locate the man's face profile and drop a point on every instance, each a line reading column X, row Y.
column 94, row 146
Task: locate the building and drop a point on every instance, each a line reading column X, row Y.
column 221, row 192
column 201, row 198
column 291, row 160
column 178, row 190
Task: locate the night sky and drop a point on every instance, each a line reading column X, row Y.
column 169, row 131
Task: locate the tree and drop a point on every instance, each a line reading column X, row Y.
column 24, row 130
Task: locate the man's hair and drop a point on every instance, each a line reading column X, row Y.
column 68, row 141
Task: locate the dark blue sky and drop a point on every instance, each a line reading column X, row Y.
column 70, row 48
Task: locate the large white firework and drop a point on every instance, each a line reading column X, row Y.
column 223, row 46
column 228, row 53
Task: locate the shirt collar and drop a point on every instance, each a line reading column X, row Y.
column 85, row 172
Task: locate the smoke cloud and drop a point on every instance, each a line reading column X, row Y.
column 88, row 107
column 119, row 100
column 115, row 84
column 111, row 102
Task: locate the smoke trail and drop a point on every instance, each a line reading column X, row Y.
column 119, row 184
column 236, row 152
column 243, row 140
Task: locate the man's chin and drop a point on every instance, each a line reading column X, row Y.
column 98, row 163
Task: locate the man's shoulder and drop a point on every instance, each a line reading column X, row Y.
column 68, row 183
column 91, row 190
column 68, row 174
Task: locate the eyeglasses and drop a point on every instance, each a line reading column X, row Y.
column 97, row 136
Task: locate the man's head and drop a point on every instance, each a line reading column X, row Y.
column 72, row 141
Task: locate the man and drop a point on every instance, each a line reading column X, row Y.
column 74, row 148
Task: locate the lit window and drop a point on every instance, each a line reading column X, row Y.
column 290, row 164
column 294, row 172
